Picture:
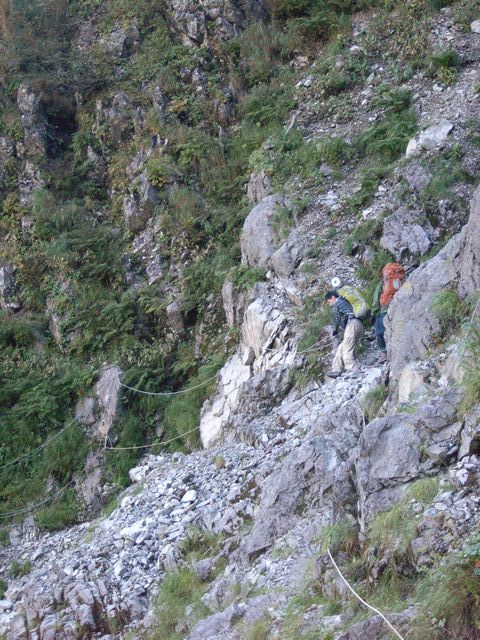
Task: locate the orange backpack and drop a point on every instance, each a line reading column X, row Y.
column 393, row 275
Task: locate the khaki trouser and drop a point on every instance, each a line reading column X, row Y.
column 345, row 353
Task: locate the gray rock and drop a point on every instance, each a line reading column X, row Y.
column 417, row 176
column 390, row 451
column 175, row 318
column 135, row 216
column 84, row 615
column 475, row 26
column 198, row 22
column 406, row 232
column 233, row 304
column 8, row 286
column 259, row 187
column 430, row 139
column 218, row 623
column 145, row 247
column 470, row 437
column 107, row 391
column 375, row 628
column 33, row 122
column 204, row 568
column 123, row 41
column 413, row 382
column 118, row 117
column 259, row 238
column 30, row 180
column 286, row 259
column 48, row 628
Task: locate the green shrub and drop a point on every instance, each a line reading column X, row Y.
column 450, row 310
column 182, row 412
column 131, row 433
column 370, row 178
column 179, row 589
column 3, row 588
column 244, row 277
column 392, row 99
column 61, row 514
column 446, row 172
column 259, row 49
column 319, row 317
column 268, row 104
column 364, row 233
column 388, row 138
column 392, row 531
column 449, row 597
column 19, row 569
column 335, row 150
column 341, row 537
column 373, row 400
column 258, row 630
column 445, row 59
column 200, row 543
column 471, row 367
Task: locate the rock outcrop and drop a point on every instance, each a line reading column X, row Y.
column 411, row 322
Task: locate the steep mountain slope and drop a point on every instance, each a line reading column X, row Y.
column 179, row 183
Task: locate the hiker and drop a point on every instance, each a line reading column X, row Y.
column 393, row 276
column 346, row 320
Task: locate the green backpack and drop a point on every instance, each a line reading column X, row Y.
column 355, row 298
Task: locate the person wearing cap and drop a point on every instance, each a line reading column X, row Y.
column 344, row 322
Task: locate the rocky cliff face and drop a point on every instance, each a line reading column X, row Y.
column 175, row 201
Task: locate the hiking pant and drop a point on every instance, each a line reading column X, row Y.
column 345, row 353
column 380, row 331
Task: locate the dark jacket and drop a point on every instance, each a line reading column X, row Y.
column 342, row 313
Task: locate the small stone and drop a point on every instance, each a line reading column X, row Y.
column 475, row 26
column 190, row 496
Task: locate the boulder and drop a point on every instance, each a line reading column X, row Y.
column 90, row 486
column 475, row 26
column 470, row 437
column 33, row 122
column 30, row 180
column 108, row 390
column 217, row 411
column 135, row 217
column 375, row 628
column 391, row 452
column 261, row 325
column 430, row 139
column 217, row 625
column 417, row 176
column 410, row 323
column 118, row 117
column 200, row 22
column 103, row 408
column 259, row 186
column 413, row 383
column 145, row 247
column 8, row 286
column 259, row 239
column 123, row 40
column 313, row 475
column 406, row 232
column 174, row 317
column 286, row 258
column 233, row 304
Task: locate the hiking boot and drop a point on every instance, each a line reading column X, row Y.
column 333, row 374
